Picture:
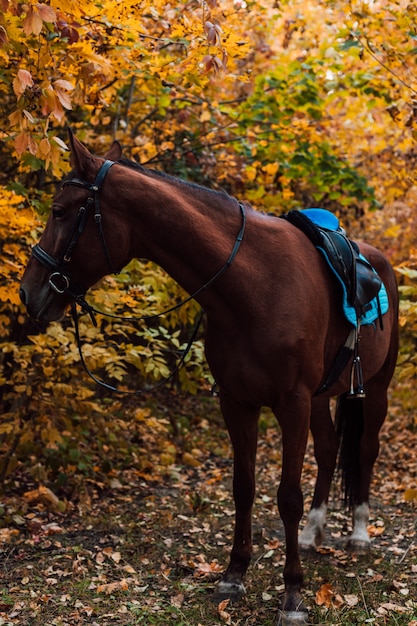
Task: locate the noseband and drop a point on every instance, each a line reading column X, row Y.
column 60, row 278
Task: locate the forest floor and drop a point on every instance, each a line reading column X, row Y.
column 129, row 547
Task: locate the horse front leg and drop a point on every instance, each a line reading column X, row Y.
column 325, row 451
column 242, row 424
column 294, row 419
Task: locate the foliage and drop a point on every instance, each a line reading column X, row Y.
column 302, row 103
column 308, row 102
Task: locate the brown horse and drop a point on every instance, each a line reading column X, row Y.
column 274, row 328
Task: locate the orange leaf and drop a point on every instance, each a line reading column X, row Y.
column 375, row 531
column 222, row 613
column 46, row 12
column 36, row 16
column 51, row 103
column 32, row 24
column 108, row 588
column 21, row 143
column 23, row 79
column 324, row 595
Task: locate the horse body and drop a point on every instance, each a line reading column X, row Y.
column 274, row 327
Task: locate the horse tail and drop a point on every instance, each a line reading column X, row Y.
column 349, row 428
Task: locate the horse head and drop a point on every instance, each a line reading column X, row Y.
column 79, row 244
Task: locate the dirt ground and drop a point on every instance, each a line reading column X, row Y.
column 146, row 548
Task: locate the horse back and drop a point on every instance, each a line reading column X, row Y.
column 281, row 315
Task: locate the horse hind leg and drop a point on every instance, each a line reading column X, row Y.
column 359, row 423
column 325, row 452
column 242, row 424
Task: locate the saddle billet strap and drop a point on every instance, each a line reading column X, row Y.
column 340, row 362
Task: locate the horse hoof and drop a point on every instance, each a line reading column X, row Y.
column 292, row 618
column 233, row 591
column 358, row 546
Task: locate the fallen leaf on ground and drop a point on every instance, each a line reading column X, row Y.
column 108, row 588
column 324, row 595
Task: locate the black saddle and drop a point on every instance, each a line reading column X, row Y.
column 361, row 282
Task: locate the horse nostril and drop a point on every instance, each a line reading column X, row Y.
column 22, row 294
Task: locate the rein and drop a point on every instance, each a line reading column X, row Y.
column 60, row 277
column 140, row 392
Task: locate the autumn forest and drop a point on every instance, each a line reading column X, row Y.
column 285, row 104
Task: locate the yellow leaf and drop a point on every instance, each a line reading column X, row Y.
column 393, row 231
column 15, row 118
column 166, row 459
column 44, row 148
column 189, row 459
column 410, row 494
column 250, row 173
column 205, row 116
column 9, row 295
column 271, row 168
column 6, row 428
column 51, row 104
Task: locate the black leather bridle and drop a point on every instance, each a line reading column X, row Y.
column 60, row 278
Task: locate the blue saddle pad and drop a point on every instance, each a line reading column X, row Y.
column 322, row 218
column 378, row 305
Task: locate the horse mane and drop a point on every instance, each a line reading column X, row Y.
column 177, row 182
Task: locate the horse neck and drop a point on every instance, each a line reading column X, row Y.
column 189, row 231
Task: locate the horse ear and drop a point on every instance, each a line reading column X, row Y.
column 81, row 158
column 115, row 151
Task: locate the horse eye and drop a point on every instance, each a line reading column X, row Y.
column 58, row 211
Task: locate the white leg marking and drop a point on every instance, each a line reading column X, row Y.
column 360, row 522
column 293, row 618
column 231, row 588
column 312, row 534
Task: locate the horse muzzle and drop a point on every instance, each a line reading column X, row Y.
column 45, row 305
